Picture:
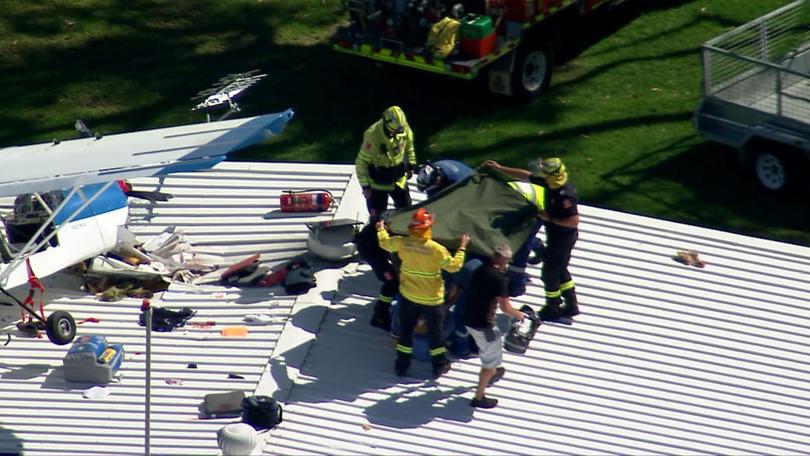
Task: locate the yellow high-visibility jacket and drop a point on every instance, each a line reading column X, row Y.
column 536, row 194
column 383, row 161
column 420, row 273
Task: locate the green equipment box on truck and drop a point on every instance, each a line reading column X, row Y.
column 756, row 96
column 512, row 41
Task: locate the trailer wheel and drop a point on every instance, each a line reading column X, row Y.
column 770, row 171
column 778, row 171
column 60, row 328
column 532, row 72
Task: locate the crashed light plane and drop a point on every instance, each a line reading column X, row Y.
column 52, row 228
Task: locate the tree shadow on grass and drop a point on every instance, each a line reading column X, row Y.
column 157, row 55
column 142, row 68
column 721, row 194
column 139, row 71
column 546, row 143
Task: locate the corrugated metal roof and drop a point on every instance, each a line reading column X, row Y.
column 230, row 212
column 665, row 359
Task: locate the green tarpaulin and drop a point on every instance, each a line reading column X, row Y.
column 483, row 206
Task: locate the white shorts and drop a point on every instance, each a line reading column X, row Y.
column 491, row 353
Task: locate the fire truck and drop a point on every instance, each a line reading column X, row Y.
column 512, row 42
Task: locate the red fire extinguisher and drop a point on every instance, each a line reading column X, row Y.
column 306, row 201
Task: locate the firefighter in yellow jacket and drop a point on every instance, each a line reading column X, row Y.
column 421, row 287
column 386, row 161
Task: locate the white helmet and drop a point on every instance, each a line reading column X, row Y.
column 426, row 177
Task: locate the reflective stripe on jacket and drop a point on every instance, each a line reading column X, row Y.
column 534, row 193
column 420, row 273
column 385, row 158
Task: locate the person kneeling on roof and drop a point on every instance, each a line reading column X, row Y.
column 368, row 247
column 421, row 287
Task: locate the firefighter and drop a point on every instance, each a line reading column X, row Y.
column 531, row 251
column 386, row 161
column 380, row 261
column 421, row 287
column 561, row 218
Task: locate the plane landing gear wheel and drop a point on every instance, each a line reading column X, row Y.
column 60, row 328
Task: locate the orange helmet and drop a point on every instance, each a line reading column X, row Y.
column 421, row 220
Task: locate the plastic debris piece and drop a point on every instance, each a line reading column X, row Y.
column 689, row 258
column 96, row 392
column 234, row 331
column 258, row 319
column 202, row 324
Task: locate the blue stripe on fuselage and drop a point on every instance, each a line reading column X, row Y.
column 111, row 199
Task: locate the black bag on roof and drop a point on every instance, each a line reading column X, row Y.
column 261, row 412
column 299, row 279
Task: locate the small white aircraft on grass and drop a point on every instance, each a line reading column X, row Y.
column 52, row 228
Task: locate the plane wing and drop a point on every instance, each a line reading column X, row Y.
column 49, row 166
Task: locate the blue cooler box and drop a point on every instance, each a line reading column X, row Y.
column 92, row 360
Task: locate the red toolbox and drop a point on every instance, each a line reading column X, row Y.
column 521, row 10
column 478, row 47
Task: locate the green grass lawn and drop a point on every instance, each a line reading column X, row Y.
column 619, row 112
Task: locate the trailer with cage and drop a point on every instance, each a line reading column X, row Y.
column 756, row 96
column 510, row 42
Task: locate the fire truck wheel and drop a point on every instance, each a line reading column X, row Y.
column 60, row 328
column 532, row 72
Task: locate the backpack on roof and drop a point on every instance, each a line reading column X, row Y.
column 299, row 278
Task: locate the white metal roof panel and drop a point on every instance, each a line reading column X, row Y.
column 665, row 359
column 230, row 213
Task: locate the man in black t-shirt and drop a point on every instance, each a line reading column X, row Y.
column 488, row 290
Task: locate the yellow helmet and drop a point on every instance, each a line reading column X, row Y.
column 394, row 121
column 544, row 167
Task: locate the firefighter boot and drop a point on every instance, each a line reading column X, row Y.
column 382, row 315
column 401, row 364
column 570, row 308
column 441, row 366
column 552, row 310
